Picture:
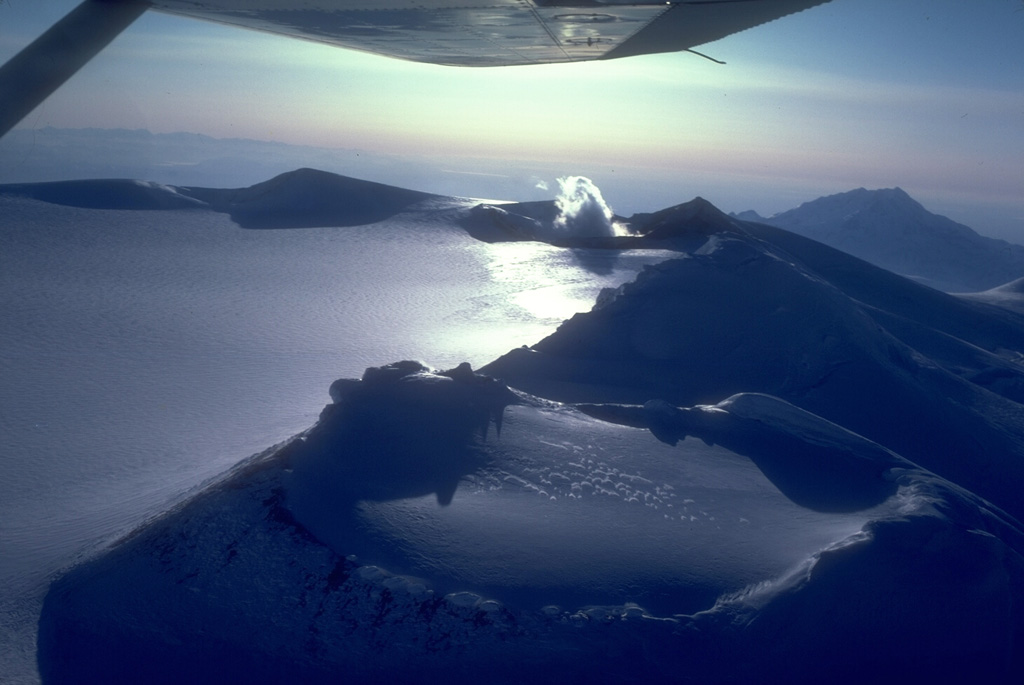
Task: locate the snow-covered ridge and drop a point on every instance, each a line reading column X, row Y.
column 927, row 375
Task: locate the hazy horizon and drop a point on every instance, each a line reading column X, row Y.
column 923, row 94
column 196, row 159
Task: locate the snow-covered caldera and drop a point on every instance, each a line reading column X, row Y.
column 762, row 461
column 889, row 228
column 574, row 548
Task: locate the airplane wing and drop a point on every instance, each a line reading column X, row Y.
column 497, row 32
column 450, row 32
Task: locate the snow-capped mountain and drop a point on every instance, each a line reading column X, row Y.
column 846, row 509
column 889, row 228
column 307, row 198
column 756, row 309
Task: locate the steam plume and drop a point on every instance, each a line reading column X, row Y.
column 582, row 211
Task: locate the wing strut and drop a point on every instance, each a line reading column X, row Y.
column 29, row 77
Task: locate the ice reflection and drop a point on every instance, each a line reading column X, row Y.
column 600, row 262
column 555, row 283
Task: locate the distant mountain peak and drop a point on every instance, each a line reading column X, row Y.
column 698, row 206
column 893, row 230
column 895, row 198
column 844, row 205
column 747, row 215
column 306, row 172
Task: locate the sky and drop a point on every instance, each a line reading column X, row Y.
column 927, row 95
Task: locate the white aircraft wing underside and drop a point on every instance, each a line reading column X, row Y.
column 452, row 32
column 495, row 32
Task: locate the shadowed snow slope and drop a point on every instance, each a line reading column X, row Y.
column 907, row 366
column 576, row 550
column 888, row 228
column 1009, row 296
